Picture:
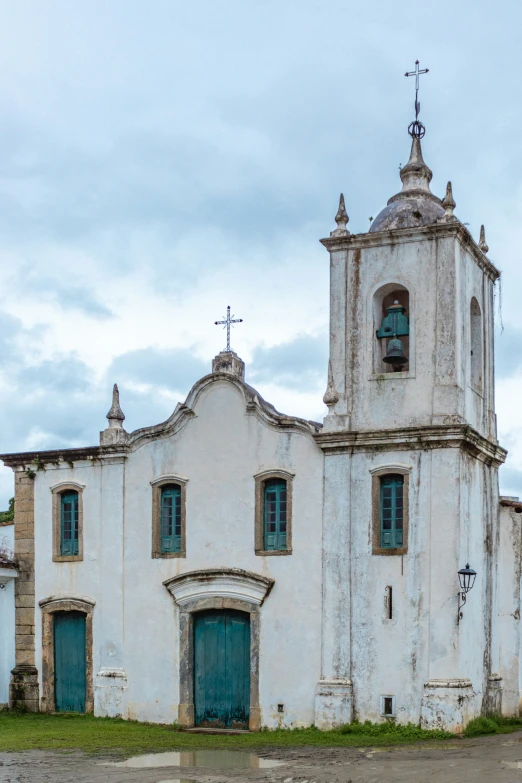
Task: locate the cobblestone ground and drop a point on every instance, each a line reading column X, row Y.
column 492, row 759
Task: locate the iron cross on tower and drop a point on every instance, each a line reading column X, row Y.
column 417, row 128
column 226, row 323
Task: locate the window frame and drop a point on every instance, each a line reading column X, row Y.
column 261, row 479
column 378, row 474
column 158, row 485
column 58, row 492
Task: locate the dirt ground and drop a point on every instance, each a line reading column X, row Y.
column 495, row 759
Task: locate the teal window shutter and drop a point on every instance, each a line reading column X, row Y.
column 275, row 515
column 69, row 523
column 392, row 511
column 171, row 518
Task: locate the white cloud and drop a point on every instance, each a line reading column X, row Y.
column 161, row 161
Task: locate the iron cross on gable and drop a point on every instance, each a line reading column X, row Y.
column 417, row 72
column 226, row 323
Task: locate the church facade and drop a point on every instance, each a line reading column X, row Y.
column 236, row 567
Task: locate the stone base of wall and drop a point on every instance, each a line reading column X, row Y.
column 447, row 704
column 110, row 693
column 493, row 702
column 333, row 703
column 24, row 690
column 186, row 715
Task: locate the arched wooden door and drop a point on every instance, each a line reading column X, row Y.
column 222, row 669
column 69, row 662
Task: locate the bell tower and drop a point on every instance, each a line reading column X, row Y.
column 411, row 463
column 411, row 316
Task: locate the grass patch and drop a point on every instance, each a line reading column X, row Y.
column 396, row 732
column 479, row 726
column 497, row 725
column 20, row 732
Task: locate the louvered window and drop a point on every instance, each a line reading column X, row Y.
column 392, row 511
column 69, row 517
column 171, row 518
column 275, row 515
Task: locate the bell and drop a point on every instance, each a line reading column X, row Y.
column 395, row 356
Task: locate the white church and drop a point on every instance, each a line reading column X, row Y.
column 236, row 567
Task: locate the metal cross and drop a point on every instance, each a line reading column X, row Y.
column 417, row 72
column 227, row 322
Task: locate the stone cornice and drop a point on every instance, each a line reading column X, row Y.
column 404, row 235
column 453, row 682
column 232, row 583
column 31, row 459
column 84, row 600
column 408, row 438
column 514, row 505
column 8, row 571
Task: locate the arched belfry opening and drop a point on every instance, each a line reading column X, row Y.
column 392, row 328
column 475, row 316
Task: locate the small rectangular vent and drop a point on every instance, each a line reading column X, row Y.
column 388, row 706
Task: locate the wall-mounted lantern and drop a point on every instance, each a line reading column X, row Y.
column 466, row 580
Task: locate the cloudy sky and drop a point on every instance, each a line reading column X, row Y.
column 162, row 159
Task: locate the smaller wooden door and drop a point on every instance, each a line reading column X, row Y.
column 69, row 662
column 222, row 669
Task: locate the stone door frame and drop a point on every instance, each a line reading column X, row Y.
column 49, row 607
column 198, row 591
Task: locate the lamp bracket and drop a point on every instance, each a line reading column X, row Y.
column 462, row 601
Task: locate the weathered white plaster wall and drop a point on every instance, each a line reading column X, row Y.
column 135, row 620
column 509, row 637
column 422, row 641
column 7, row 622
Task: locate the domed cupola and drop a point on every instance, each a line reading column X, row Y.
column 415, row 205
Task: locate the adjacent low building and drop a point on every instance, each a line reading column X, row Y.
column 8, row 574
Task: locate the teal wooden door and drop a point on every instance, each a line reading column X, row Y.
column 222, row 669
column 69, row 662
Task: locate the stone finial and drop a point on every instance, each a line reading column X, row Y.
column 115, row 415
column 482, row 240
column 449, row 205
column 330, row 396
column 342, row 220
column 114, row 434
column 416, row 175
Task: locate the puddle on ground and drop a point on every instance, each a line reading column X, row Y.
column 176, row 780
column 220, row 759
column 513, row 764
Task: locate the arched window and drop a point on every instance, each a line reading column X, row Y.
column 171, row 518
column 69, row 523
column 476, row 344
column 392, row 511
column 391, row 312
column 275, row 515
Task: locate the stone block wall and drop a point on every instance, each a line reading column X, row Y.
column 24, row 689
